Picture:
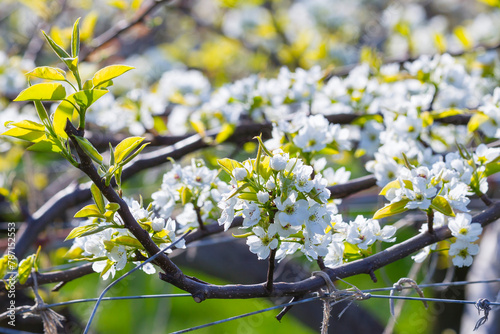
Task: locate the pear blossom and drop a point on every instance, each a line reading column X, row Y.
column 462, row 228
column 462, row 252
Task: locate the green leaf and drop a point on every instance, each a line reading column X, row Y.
column 427, row 119
column 186, row 195
column 491, row 168
column 108, row 266
column 98, row 198
column 125, row 147
column 126, row 240
column 238, row 190
column 72, row 63
column 436, row 114
column 228, row 165
column 108, row 73
column 25, row 267
column 25, row 134
column 113, row 207
column 391, row 209
column 395, row 185
column 48, row 73
column 75, row 39
column 440, row 204
column 42, row 113
column 4, row 263
column 61, row 53
column 476, row 120
column 89, row 149
column 45, row 145
column 47, row 91
column 83, row 99
column 82, row 231
column 29, row 125
column 226, row 132
column 133, row 155
column 90, row 210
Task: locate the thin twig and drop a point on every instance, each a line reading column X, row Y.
column 270, row 270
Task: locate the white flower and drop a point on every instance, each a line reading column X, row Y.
column 240, row 173
column 227, row 214
column 318, row 219
column 270, row 185
column 291, row 211
column 301, row 177
column 420, row 196
column 483, row 154
column 335, row 256
column 263, row 196
column 261, row 243
column 462, row 228
column 279, row 162
column 457, row 195
column 386, row 234
column 99, row 266
column 251, row 214
column 462, row 252
column 158, row 224
column 360, row 232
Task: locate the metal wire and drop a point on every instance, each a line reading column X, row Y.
column 127, row 274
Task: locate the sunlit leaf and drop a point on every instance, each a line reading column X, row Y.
column 108, row 73
column 391, row 209
column 440, row 204
column 47, row 91
column 48, row 73
column 125, row 147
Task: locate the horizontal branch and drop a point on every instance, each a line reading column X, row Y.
column 337, row 191
column 367, row 265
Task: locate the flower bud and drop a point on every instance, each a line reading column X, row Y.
column 263, row 196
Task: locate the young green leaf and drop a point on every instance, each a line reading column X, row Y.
column 126, row 240
column 391, row 209
column 42, row 113
column 98, row 198
column 396, row 185
column 228, row 165
column 226, row 132
column 25, row 267
column 61, row 53
column 90, row 210
column 440, row 204
column 29, row 125
column 125, row 147
column 25, row 134
column 47, row 91
column 48, row 73
column 89, row 149
column 75, row 39
column 475, row 121
column 45, row 145
column 82, row 231
column 108, row 73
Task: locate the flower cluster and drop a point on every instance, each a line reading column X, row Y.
column 288, row 210
column 196, row 189
column 106, row 242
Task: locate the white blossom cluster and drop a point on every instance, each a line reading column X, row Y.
column 465, row 232
column 454, row 179
column 193, row 187
column 111, row 246
column 288, row 210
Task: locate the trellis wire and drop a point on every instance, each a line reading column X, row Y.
column 433, row 285
column 439, row 300
column 127, row 274
column 302, row 301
